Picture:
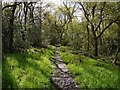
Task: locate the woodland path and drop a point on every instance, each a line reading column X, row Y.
column 61, row 76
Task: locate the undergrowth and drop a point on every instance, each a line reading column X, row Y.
column 29, row 70
column 91, row 73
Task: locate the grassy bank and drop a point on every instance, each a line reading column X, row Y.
column 29, row 70
column 90, row 73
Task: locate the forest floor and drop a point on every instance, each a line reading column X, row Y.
column 34, row 69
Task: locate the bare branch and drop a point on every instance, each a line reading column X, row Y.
column 10, row 6
column 85, row 13
column 93, row 10
column 106, row 28
column 101, row 18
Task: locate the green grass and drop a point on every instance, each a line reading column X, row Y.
column 65, row 48
column 33, row 70
column 28, row 70
column 91, row 73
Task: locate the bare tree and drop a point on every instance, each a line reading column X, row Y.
column 90, row 16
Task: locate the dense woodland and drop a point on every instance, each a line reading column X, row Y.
column 89, row 28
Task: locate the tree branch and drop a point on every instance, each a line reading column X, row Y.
column 101, row 19
column 85, row 13
column 106, row 28
column 93, row 10
column 10, row 6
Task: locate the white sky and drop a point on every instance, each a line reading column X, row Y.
column 55, row 2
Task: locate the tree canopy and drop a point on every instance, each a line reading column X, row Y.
column 92, row 27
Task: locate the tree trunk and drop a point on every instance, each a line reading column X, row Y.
column 25, row 20
column 11, row 39
column 115, row 59
column 11, row 28
column 1, row 53
column 61, row 35
column 95, row 38
column 96, row 47
column 88, row 34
